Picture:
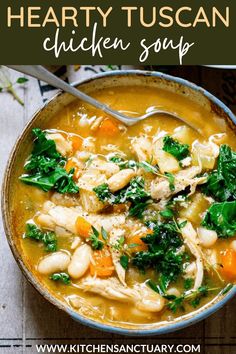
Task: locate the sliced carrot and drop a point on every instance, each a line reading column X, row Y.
column 108, row 127
column 138, row 244
column 228, row 261
column 77, row 142
column 83, row 227
column 72, row 164
column 102, row 265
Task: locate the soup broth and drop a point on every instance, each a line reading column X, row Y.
column 127, row 234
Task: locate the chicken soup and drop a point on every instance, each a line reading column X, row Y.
column 130, row 225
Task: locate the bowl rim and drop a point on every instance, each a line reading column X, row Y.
column 166, row 328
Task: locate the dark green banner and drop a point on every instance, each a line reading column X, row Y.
column 120, row 31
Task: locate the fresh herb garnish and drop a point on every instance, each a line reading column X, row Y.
column 167, row 213
column 104, row 234
column 6, row 85
column 94, row 239
column 124, row 261
column 221, row 217
column 119, row 244
column 61, row 277
column 188, row 283
column 123, row 163
column 45, row 167
column 173, row 147
column 154, row 286
column 171, row 180
column 221, row 183
column 227, row 289
column 193, row 297
column 21, row 80
column 133, row 245
column 112, row 67
column 148, row 167
column 48, row 238
column 182, row 224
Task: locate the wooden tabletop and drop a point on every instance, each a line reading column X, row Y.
column 26, row 318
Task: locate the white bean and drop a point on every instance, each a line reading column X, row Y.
column 207, row 237
column 55, row 262
column 120, row 179
column 233, row 245
column 62, row 232
column 46, row 221
column 75, row 243
column 80, row 261
column 47, row 206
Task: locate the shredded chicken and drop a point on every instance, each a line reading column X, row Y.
column 142, row 146
column 56, row 215
column 115, row 236
column 67, row 200
column 140, row 295
column 64, row 217
column 63, row 146
column 88, row 198
column 205, row 154
column 190, row 239
column 160, row 187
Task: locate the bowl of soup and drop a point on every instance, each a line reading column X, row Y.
column 127, row 229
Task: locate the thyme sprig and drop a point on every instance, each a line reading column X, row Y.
column 6, row 85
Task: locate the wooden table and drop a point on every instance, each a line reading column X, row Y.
column 25, row 317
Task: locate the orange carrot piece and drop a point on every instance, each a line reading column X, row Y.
column 83, row 227
column 102, row 265
column 228, row 261
column 136, row 240
column 76, row 142
column 72, row 164
column 108, row 127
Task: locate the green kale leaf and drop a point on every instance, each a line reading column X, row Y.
column 48, row 238
column 162, row 254
column 221, row 183
column 45, row 167
column 57, row 179
column 44, row 146
column 61, row 277
column 104, row 194
column 176, row 149
column 221, row 217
